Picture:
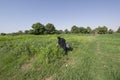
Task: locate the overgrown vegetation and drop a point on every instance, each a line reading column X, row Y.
column 31, row 57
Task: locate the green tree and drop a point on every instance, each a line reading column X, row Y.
column 110, row 31
column 38, row 28
column 75, row 29
column 89, row 30
column 49, row 28
column 118, row 30
column 19, row 32
column 102, row 30
column 66, row 31
column 59, row 31
column 26, row 31
column 3, row 34
column 94, row 31
column 82, row 30
column 31, row 31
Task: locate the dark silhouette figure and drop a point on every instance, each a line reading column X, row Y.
column 64, row 45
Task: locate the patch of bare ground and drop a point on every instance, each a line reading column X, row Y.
column 50, row 78
column 27, row 65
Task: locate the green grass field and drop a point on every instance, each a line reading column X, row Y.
column 30, row 57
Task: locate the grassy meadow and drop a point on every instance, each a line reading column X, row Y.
column 31, row 57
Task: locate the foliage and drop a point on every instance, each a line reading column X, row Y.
column 3, row 34
column 66, row 31
column 110, row 31
column 49, row 28
column 26, row 32
column 59, row 31
column 74, row 29
column 20, row 32
column 82, row 30
column 38, row 28
column 102, row 30
column 89, row 30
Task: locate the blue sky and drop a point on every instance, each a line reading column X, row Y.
column 18, row 15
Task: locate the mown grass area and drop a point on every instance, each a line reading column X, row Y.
column 30, row 57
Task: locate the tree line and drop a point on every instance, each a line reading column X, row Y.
column 49, row 28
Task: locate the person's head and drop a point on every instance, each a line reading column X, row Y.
column 58, row 37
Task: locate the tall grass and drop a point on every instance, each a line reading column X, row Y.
column 95, row 58
column 30, row 57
